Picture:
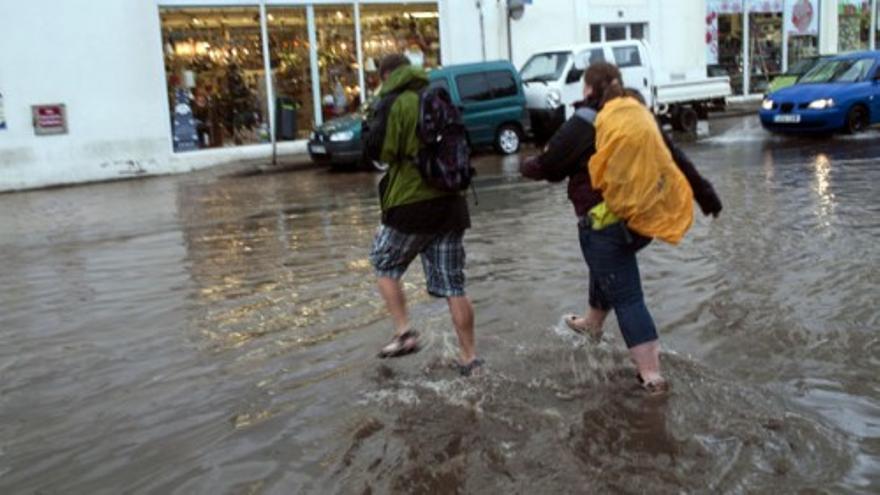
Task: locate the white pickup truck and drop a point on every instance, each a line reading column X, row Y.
column 553, row 81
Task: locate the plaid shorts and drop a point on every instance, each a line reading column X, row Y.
column 442, row 258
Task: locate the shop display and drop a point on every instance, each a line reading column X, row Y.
column 183, row 124
column 214, row 65
column 765, row 49
column 413, row 30
column 291, row 66
column 854, row 25
column 215, row 57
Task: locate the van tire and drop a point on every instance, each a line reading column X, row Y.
column 508, row 139
column 685, row 119
column 856, row 120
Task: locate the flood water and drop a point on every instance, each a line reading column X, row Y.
column 217, row 334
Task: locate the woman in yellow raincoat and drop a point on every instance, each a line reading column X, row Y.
column 645, row 196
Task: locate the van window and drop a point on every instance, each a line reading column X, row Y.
column 473, row 87
column 440, row 83
column 502, row 83
column 627, row 56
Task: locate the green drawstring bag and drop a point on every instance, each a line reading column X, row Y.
column 601, row 217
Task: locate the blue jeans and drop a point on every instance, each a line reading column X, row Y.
column 615, row 282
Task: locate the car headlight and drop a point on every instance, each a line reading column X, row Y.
column 554, row 99
column 821, row 104
column 313, row 136
column 767, row 104
column 342, row 136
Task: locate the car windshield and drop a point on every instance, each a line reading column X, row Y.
column 801, row 67
column 545, row 66
column 850, row 70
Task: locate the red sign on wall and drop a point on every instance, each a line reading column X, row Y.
column 49, row 119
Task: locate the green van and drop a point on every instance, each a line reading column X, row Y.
column 489, row 94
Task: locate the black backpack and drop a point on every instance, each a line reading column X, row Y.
column 444, row 158
column 373, row 129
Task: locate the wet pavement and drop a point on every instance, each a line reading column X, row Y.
column 217, row 334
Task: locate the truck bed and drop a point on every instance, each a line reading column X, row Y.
column 710, row 88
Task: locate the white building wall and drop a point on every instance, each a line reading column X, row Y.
column 677, row 33
column 102, row 59
column 460, row 40
column 545, row 24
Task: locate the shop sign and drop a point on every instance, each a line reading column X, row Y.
column 2, row 115
column 724, row 6
column 49, row 119
column 766, row 6
column 802, row 17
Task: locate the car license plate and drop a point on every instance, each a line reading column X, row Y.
column 787, row 119
column 318, row 149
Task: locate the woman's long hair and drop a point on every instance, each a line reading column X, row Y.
column 605, row 79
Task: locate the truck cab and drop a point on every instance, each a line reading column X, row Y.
column 553, row 82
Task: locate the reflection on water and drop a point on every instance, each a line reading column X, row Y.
column 208, row 334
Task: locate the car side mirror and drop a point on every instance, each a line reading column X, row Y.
column 574, row 75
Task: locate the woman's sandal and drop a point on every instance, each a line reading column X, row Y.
column 467, row 370
column 588, row 330
column 401, row 345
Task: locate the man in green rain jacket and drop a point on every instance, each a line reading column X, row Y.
column 418, row 219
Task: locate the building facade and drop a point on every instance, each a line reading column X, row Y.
column 105, row 89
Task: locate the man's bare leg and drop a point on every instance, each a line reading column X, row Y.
column 462, row 313
column 395, row 301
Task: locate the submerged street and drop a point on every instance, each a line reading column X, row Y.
column 217, row 333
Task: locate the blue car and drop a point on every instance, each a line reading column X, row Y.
column 841, row 93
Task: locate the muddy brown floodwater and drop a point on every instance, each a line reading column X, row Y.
column 216, row 334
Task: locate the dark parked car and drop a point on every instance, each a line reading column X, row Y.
column 489, row 94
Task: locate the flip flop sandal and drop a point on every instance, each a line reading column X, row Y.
column 467, row 370
column 657, row 386
column 401, row 345
column 582, row 329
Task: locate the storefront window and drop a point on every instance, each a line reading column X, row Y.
column 291, row 71
column 413, row 30
column 337, row 60
column 765, row 45
column 854, row 25
column 215, row 77
column 724, row 38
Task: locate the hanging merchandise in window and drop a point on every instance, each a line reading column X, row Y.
column 337, row 60
column 724, row 38
column 765, row 43
column 214, row 65
column 291, row 71
column 413, row 30
column 854, row 25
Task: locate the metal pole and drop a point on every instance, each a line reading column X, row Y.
column 747, row 69
column 270, row 90
column 872, row 42
column 313, row 59
column 785, row 7
column 482, row 30
column 360, row 51
column 509, row 35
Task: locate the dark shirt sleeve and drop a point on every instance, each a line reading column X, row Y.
column 565, row 152
column 704, row 193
